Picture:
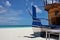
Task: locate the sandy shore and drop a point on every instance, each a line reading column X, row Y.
column 17, row 34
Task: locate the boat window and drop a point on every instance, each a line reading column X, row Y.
column 56, row 13
column 51, row 1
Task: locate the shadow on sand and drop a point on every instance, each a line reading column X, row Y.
column 38, row 34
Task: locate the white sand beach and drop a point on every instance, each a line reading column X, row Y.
column 17, row 34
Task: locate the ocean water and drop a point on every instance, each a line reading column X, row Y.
column 14, row 26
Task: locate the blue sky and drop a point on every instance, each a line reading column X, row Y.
column 13, row 12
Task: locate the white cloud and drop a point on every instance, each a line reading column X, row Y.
column 10, row 20
column 1, row 6
column 38, row 10
column 11, row 17
column 2, row 10
column 8, row 3
column 20, row 11
column 14, row 18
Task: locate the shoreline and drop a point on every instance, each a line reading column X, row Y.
column 14, row 27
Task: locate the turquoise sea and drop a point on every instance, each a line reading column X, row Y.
column 14, row 26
